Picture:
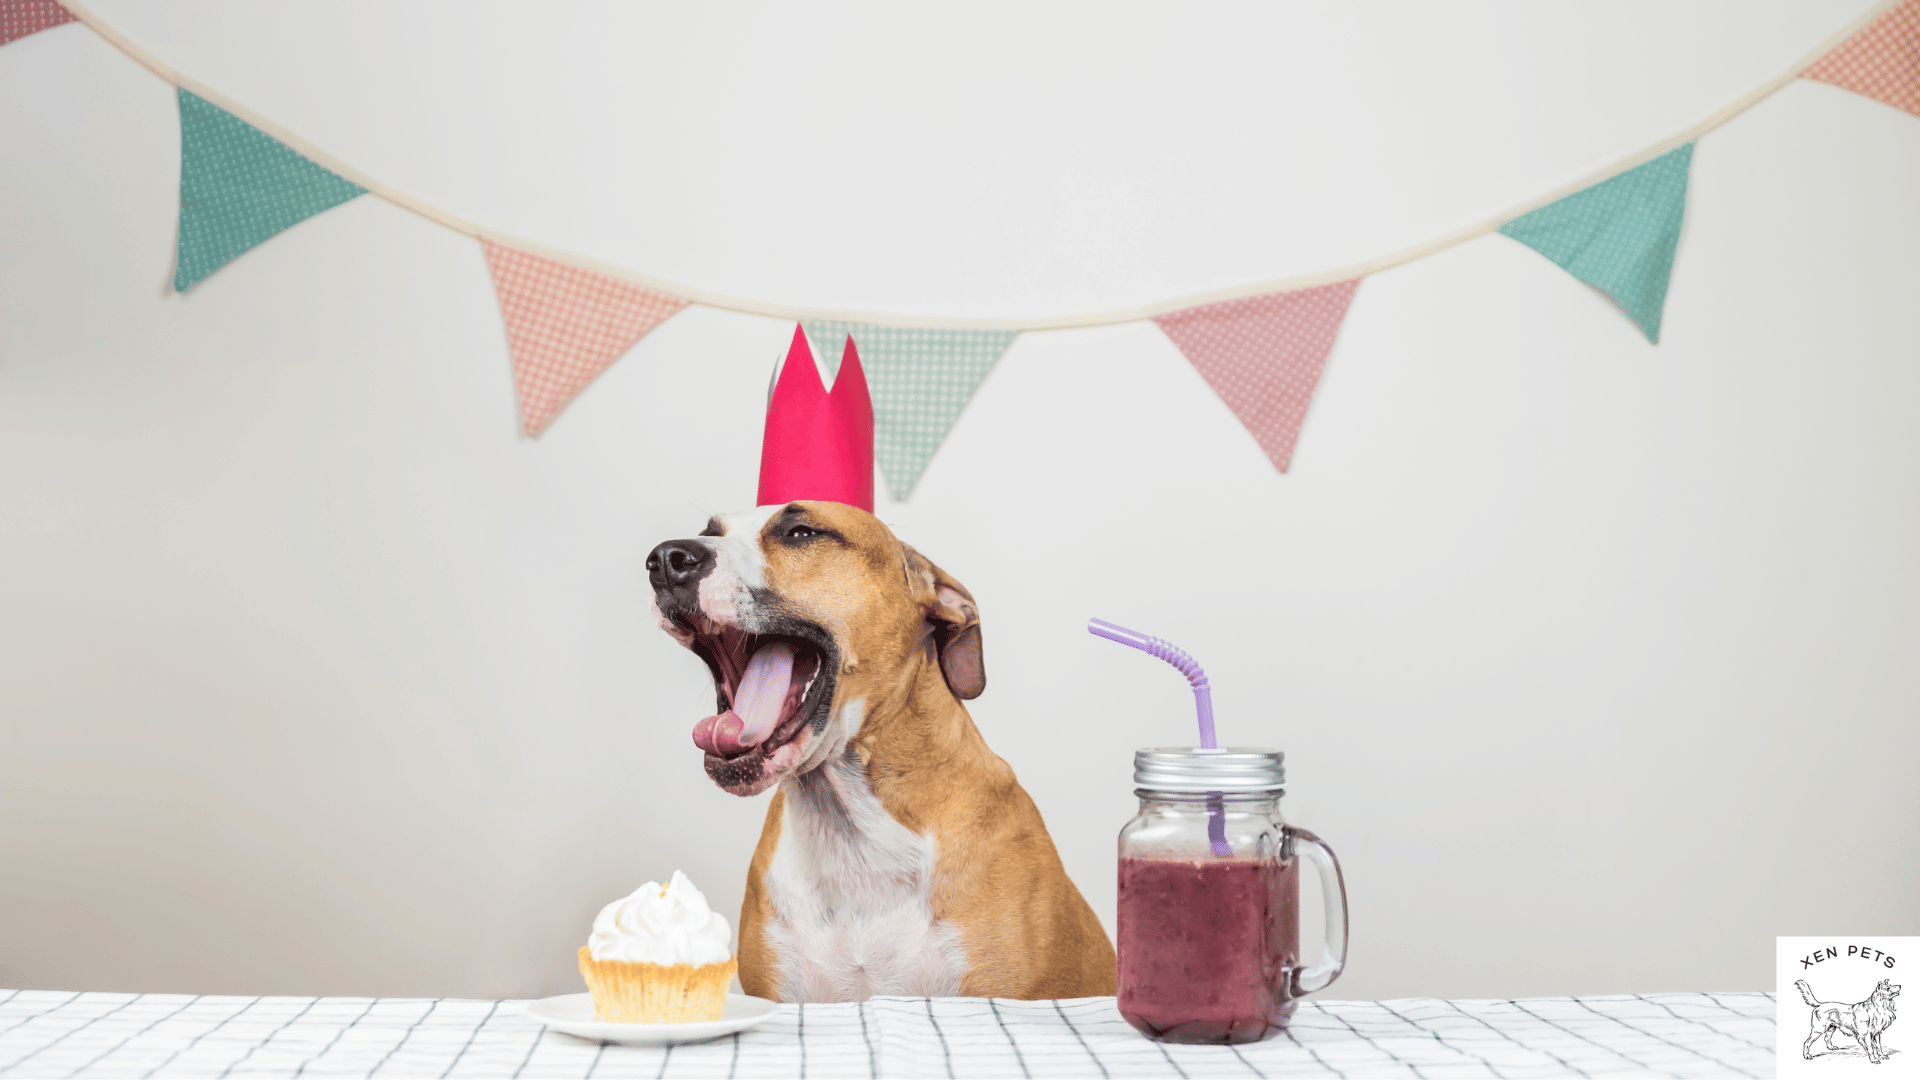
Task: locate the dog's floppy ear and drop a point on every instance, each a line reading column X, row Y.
column 955, row 623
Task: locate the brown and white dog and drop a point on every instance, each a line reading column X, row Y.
column 1865, row 1021
column 900, row 855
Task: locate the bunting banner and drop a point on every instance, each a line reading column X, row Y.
column 1263, row 355
column 921, row 380
column 1881, row 62
column 18, row 18
column 565, row 326
column 240, row 187
column 1618, row 235
column 1262, row 347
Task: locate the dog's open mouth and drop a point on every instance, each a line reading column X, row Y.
column 769, row 688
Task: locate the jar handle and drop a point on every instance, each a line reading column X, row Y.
column 1333, row 893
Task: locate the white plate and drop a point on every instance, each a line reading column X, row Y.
column 573, row 1014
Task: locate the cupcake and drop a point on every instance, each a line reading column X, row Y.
column 659, row 956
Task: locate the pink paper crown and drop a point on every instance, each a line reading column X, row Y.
column 818, row 445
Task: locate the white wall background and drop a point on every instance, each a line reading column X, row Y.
column 1596, row 661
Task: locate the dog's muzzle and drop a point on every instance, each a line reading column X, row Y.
column 773, row 684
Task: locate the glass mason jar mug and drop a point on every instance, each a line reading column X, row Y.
column 1209, row 911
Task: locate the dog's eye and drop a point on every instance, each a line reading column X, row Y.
column 801, row 532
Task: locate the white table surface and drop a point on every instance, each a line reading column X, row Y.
column 47, row 1033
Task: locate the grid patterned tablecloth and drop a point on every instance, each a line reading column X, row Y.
column 59, row 1034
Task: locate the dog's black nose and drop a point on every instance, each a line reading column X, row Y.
column 678, row 562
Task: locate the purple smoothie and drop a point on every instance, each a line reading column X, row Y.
column 1208, row 947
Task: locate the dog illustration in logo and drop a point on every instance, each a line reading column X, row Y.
column 1864, row 1022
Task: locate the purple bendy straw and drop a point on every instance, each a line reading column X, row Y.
column 1202, row 703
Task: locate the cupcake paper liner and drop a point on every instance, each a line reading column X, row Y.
column 629, row 993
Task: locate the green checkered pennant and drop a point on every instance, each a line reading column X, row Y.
column 239, row 187
column 1618, row 235
column 920, row 380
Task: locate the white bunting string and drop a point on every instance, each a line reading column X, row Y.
column 1137, row 313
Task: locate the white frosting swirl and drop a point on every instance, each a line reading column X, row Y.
column 669, row 924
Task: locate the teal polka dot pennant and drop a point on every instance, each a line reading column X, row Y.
column 920, row 379
column 239, row 187
column 1618, row 235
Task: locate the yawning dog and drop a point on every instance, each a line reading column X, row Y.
column 899, row 855
column 1866, row 1021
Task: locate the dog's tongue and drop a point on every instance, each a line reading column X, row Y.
column 756, row 704
column 719, row 735
column 763, row 689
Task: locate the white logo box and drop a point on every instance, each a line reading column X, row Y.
column 1862, row 1022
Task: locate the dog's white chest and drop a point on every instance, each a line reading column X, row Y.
column 851, row 891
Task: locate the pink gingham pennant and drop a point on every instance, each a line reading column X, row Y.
column 18, row 18
column 565, row 326
column 1263, row 355
column 1881, row 62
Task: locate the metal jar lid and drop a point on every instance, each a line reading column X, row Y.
column 1229, row 768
